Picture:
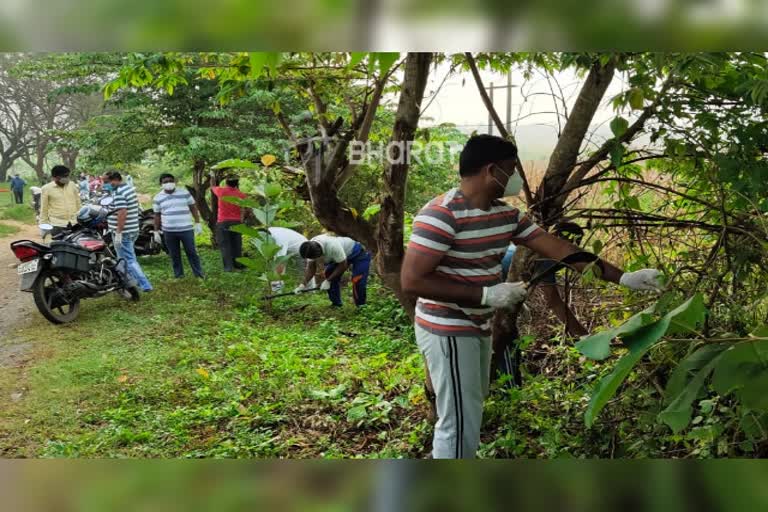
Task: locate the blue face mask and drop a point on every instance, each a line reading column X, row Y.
column 107, row 187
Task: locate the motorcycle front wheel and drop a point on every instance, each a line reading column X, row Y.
column 51, row 300
column 132, row 294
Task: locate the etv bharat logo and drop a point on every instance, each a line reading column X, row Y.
column 392, row 153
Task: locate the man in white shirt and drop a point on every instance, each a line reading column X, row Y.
column 338, row 254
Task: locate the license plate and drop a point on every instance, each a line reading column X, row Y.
column 29, row 266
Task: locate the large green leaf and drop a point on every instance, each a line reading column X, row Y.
column 754, row 395
column 371, row 211
column 619, row 125
column 598, row 346
column 386, row 60
column 729, row 374
column 678, row 414
column 689, row 366
column 260, row 60
column 687, row 317
column 356, row 58
column 285, row 224
column 272, row 189
column 235, row 163
column 617, row 153
column 642, row 340
column 246, row 230
column 636, row 98
column 744, row 371
column 639, row 340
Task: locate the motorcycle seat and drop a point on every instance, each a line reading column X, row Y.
column 91, row 245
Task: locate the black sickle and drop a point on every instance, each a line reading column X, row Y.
column 577, row 257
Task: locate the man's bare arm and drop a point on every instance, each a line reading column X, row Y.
column 309, row 271
column 122, row 214
column 555, row 248
column 340, row 269
column 418, row 278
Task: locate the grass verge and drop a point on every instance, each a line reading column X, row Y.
column 7, row 230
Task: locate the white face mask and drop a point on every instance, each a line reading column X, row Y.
column 514, row 184
column 169, row 187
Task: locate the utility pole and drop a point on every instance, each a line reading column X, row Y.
column 508, row 87
column 490, row 119
column 509, row 101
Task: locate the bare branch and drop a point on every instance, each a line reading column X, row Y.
column 497, row 121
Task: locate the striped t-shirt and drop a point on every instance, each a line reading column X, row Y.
column 175, row 215
column 472, row 243
column 124, row 197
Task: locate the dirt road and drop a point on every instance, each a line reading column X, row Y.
column 16, row 308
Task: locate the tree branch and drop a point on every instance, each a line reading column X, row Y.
column 497, row 121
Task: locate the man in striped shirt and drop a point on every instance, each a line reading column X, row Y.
column 124, row 225
column 174, row 209
column 453, row 266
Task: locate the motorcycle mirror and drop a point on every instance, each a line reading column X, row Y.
column 106, row 201
column 45, row 227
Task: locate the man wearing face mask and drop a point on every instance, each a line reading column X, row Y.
column 124, row 225
column 174, row 209
column 59, row 200
column 453, row 266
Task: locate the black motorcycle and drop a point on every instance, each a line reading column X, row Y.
column 77, row 264
column 145, row 244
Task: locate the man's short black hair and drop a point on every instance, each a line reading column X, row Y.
column 60, row 171
column 310, row 250
column 114, row 175
column 484, row 149
column 164, row 176
column 233, row 182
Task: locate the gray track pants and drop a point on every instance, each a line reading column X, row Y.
column 460, row 369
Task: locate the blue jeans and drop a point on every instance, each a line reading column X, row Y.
column 173, row 241
column 360, row 261
column 126, row 252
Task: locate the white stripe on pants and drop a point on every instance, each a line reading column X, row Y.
column 460, row 369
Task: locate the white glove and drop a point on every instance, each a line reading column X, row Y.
column 198, row 228
column 299, row 289
column 157, row 237
column 647, row 279
column 504, row 295
column 117, row 239
column 325, row 285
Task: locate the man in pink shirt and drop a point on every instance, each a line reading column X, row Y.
column 229, row 214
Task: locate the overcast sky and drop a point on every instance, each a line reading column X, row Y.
column 534, row 122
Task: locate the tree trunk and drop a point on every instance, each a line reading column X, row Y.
column 38, row 164
column 201, row 182
column 385, row 237
column 5, row 165
column 391, row 217
column 548, row 202
column 69, row 158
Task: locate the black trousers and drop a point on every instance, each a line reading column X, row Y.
column 18, row 195
column 230, row 244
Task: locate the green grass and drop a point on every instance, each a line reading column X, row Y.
column 197, row 368
column 6, row 230
column 201, row 369
column 18, row 212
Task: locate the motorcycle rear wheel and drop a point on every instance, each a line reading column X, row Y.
column 47, row 283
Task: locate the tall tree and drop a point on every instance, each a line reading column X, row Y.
column 343, row 94
column 686, row 103
column 14, row 117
